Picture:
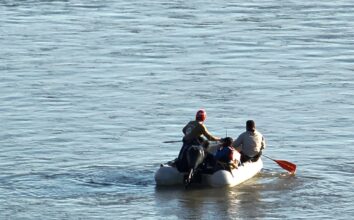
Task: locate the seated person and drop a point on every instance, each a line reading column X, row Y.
column 226, row 157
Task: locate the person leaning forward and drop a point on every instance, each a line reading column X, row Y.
column 250, row 143
column 193, row 132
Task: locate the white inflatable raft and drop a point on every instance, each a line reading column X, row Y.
column 168, row 175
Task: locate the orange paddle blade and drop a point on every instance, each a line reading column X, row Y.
column 286, row 165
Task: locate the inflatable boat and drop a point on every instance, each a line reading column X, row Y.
column 168, row 175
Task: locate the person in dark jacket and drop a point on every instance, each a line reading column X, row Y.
column 194, row 134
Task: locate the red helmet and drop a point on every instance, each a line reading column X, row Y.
column 201, row 115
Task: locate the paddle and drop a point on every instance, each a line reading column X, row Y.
column 284, row 164
column 172, row 141
column 181, row 141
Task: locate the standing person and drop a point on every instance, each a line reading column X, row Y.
column 250, row 143
column 193, row 132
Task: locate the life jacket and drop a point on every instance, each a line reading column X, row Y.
column 225, row 154
column 227, row 158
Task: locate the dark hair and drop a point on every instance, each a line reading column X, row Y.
column 226, row 141
column 250, row 125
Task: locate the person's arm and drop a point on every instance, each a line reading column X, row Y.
column 207, row 134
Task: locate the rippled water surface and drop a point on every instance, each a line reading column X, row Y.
column 89, row 90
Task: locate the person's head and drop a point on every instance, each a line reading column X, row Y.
column 201, row 115
column 250, row 126
column 226, row 141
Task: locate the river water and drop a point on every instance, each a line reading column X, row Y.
column 90, row 90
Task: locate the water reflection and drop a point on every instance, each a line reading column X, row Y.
column 210, row 203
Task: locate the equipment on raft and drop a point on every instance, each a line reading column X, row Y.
column 168, row 175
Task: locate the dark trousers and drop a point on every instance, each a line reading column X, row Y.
column 182, row 163
column 245, row 158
